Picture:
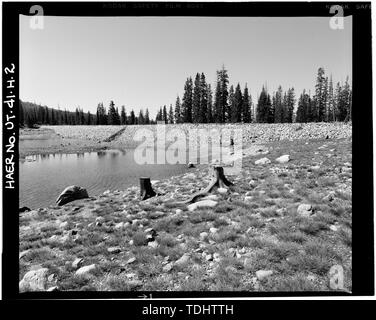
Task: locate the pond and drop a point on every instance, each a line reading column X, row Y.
column 44, row 177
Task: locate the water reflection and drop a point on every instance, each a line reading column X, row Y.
column 43, row 177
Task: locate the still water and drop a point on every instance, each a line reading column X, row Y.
column 43, row 177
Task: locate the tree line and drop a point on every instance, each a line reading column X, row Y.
column 31, row 114
column 227, row 104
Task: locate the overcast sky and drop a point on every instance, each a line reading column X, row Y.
column 143, row 62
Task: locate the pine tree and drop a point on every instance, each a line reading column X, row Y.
column 231, row 115
column 263, row 112
column 165, row 114
column 21, row 114
column 187, row 101
column 178, row 115
column 221, row 96
column 147, row 117
column 330, row 102
column 113, row 114
column 320, row 95
column 236, row 115
column 170, row 115
column 246, row 112
column 278, row 105
column 123, row 116
column 290, row 103
column 132, row 117
column 203, row 109
column 196, row 99
column 209, row 104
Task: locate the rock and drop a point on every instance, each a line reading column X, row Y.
column 77, row 263
column 85, row 269
column 213, row 197
column 34, row 280
column 216, row 257
column 202, row 204
column 203, row 235
column 347, row 164
column 208, row 257
column 119, row 225
column 252, row 183
column 183, row 259
column 213, row 230
column 24, row 209
column 23, row 253
column 114, row 250
column 168, row 267
column 283, row 159
column 153, row 244
column 311, row 278
column 55, row 288
column 222, row 190
column 333, row 228
column 63, row 225
column 248, row 264
column 305, row 210
column 51, row 277
column 262, row 274
column 262, row 161
column 281, row 211
column 191, row 165
column 131, row 260
column 248, row 199
column 330, row 197
column 71, row 193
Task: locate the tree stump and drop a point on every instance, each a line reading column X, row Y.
column 219, row 180
column 146, row 190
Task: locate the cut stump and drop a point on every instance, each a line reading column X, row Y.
column 146, row 190
column 219, row 180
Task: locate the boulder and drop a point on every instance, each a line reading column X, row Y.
column 183, row 259
column 202, row 204
column 71, row 193
column 262, row 274
column 85, row 269
column 262, row 161
column 305, row 210
column 283, row 159
column 34, row 280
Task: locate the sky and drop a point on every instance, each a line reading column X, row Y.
column 143, row 62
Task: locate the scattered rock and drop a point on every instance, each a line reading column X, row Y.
column 222, row 190
column 85, row 269
column 178, row 211
column 63, row 225
column 283, row 159
column 34, row 280
column 203, row 235
column 305, row 210
column 55, row 288
column 202, row 204
column 333, row 228
column 191, row 165
column 131, row 260
column 114, row 250
column 168, row 267
column 24, row 209
column 330, row 197
column 23, row 253
column 183, row 259
column 213, row 230
column 77, row 263
column 153, row 244
column 248, row 199
column 71, row 193
column 262, row 274
column 262, row 161
column 119, row 225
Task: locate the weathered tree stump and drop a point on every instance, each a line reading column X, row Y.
column 219, row 180
column 146, row 190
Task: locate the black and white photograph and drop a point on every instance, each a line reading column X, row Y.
column 184, row 152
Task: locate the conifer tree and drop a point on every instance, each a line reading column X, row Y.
column 171, row 115
column 196, row 99
column 178, row 115
column 246, row 112
column 187, row 101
